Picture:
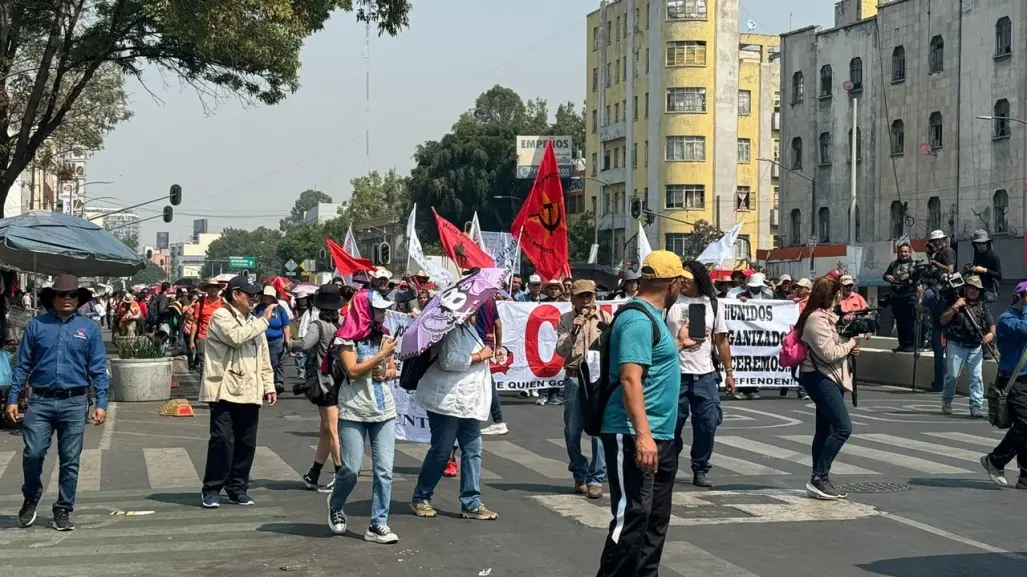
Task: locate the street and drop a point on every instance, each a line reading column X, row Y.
column 919, row 503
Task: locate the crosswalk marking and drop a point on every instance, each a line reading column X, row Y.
column 943, row 451
column 739, row 466
column 788, row 455
column 586, row 445
column 88, row 472
column 687, row 559
column 267, row 465
column 543, row 465
column 170, row 468
column 904, row 461
column 417, row 451
column 961, row 437
column 5, row 458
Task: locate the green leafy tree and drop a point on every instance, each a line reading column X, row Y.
column 581, row 233
column 307, row 200
column 377, row 197
column 132, row 242
column 569, row 121
column 152, row 274
column 261, row 243
column 248, row 48
column 701, row 235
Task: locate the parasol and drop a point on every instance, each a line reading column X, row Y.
column 53, row 243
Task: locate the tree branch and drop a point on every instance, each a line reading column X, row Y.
column 32, row 106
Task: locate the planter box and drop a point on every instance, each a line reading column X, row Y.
column 137, row 380
column 181, row 364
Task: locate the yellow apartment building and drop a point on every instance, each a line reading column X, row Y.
column 681, row 108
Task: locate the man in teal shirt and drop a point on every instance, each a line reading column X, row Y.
column 638, row 424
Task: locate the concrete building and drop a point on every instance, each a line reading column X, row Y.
column 322, row 213
column 188, row 258
column 161, row 258
column 123, row 225
column 682, row 107
column 923, row 71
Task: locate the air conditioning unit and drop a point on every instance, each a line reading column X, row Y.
column 775, row 217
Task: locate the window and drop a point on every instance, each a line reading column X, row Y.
column 743, row 198
column 616, row 28
column 743, row 249
column 595, row 79
column 686, row 53
column 624, row 156
column 897, row 219
column 686, row 100
column 616, row 157
column 856, row 73
column 898, row 140
column 616, row 79
column 647, row 58
column 744, row 102
column 898, row 64
column 936, row 59
column 1001, row 121
column 647, row 153
column 686, row 9
column 686, row 196
column 826, row 81
column 616, row 112
column 935, row 130
column 776, row 145
column 796, row 153
column 676, row 242
column 999, row 207
column 797, row 87
column 647, row 15
column 595, row 38
column 624, row 69
column 607, row 78
column 688, row 148
column 606, row 117
column 796, row 228
column 859, row 145
column 1003, row 37
column 744, row 151
column 777, row 101
column 825, row 148
column 634, row 106
column 606, row 30
column 624, row 30
column 595, row 121
column 824, row 225
column 606, row 159
column 934, row 213
column 595, row 163
column 647, row 105
column 634, row 155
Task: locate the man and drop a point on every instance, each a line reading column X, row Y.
column 987, row 265
column 380, row 281
column 61, row 355
column 203, row 310
column 783, row 291
column 638, row 424
column 159, row 306
column 554, row 291
column 755, row 288
column 534, row 293
column 578, row 329
column 490, row 329
column 700, row 393
column 849, row 300
column 964, row 344
column 237, row 379
column 1012, row 341
column 515, row 287
column 943, row 258
column 902, row 297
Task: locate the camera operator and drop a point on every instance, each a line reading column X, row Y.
column 986, row 264
column 941, row 255
column 902, row 297
column 968, row 325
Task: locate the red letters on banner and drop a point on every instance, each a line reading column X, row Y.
column 541, row 315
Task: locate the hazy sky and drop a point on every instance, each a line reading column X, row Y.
column 244, row 167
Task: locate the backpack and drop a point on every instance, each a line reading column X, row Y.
column 325, row 366
column 793, row 350
column 594, row 391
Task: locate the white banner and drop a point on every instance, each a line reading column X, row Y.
column 756, row 329
column 502, row 247
column 411, row 418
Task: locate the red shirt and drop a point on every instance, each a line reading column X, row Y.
column 202, row 311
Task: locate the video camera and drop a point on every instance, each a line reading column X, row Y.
column 951, row 283
column 861, row 322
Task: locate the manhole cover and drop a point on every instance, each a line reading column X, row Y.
column 873, row 487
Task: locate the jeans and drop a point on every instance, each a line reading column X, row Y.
column 939, row 356
column 833, row 425
column 444, row 431
column 198, row 356
column 496, row 409
column 593, row 473
column 1014, row 444
column 904, row 310
column 383, row 452
column 699, row 397
column 973, row 358
column 43, row 417
column 301, row 360
column 276, row 349
column 233, row 442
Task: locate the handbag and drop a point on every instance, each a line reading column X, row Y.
column 998, row 396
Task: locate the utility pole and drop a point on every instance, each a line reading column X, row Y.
column 367, row 98
column 855, row 157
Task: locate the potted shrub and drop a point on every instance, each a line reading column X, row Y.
column 141, row 372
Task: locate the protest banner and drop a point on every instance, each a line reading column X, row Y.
column 411, row 418
column 755, row 331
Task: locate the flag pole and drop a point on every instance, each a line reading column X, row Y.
column 509, row 278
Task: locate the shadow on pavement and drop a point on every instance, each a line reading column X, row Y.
column 190, row 499
column 319, row 530
column 949, row 566
column 276, row 485
column 955, row 483
column 305, row 433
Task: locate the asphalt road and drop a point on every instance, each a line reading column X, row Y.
column 919, row 503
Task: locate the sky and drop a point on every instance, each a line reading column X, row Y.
column 243, row 167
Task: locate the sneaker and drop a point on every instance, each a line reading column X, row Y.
column 803, row 396
column 556, row 401
column 480, row 514
column 533, row 394
column 450, row 470
column 699, row 479
column 580, row 489
column 1022, row 483
column 423, row 509
column 753, row 396
column 380, row 534
column 242, row 499
column 841, row 494
column 997, row 476
column 327, row 487
column 309, row 482
column 783, row 393
column 595, row 492
column 738, row 396
column 210, row 501
column 495, row 429
column 975, row 413
column 822, row 489
column 336, row 519
column 27, row 513
column 62, row 520
column 946, row 408
column 541, row 400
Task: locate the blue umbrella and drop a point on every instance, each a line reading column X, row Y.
column 52, row 243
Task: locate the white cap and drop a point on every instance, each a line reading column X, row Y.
column 380, row 302
column 381, row 272
column 937, row 234
column 534, row 279
column 784, row 277
column 269, row 291
column 757, row 280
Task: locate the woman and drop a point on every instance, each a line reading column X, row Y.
column 825, row 376
column 366, row 411
column 278, row 333
column 316, row 343
column 128, row 316
column 802, row 289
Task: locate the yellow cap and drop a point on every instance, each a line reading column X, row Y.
column 663, row 264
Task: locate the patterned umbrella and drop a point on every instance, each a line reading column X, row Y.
column 449, row 308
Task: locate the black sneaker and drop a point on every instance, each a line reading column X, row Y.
column 700, row 480
column 62, row 520
column 841, row 494
column 1022, row 483
column 309, row 482
column 997, row 476
column 336, row 519
column 822, row 489
column 27, row 513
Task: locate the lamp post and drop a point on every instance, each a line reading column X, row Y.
column 1023, row 185
column 813, row 204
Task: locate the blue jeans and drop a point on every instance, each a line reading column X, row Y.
column 276, row 349
column 939, row 356
column 833, row 425
column 593, row 473
column 383, row 452
column 44, row 416
column 496, row 409
column 301, row 361
column 973, row 358
column 444, row 431
column 699, row 397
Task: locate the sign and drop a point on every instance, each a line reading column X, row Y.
column 163, row 240
column 529, row 154
column 200, row 226
column 242, row 262
column 291, row 265
column 309, row 265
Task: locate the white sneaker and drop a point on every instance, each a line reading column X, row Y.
column 946, row 408
column 534, row 393
column 336, row 519
column 541, row 401
column 495, row 429
column 380, row 534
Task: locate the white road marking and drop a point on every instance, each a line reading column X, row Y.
column 5, row 458
column 267, row 465
column 107, row 436
column 789, row 455
column 687, row 559
column 88, row 471
column 940, row 450
column 788, row 421
column 170, row 468
column 544, row 466
column 954, row 537
column 735, row 465
column 417, row 451
column 897, row 459
column 813, row 414
column 965, row 438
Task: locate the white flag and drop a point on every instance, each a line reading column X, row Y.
column 721, row 250
column 643, row 244
column 476, row 236
column 350, row 244
column 416, row 253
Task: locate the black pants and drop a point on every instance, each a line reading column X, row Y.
column 233, row 442
column 904, row 310
column 1014, row 444
column 641, row 505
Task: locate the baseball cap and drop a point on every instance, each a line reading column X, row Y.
column 662, row 264
column 242, row 283
column 846, row 280
column 534, row 279
column 756, row 280
column 380, row 302
column 270, row 291
column 1020, row 288
column 582, row 287
column 784, row 278
column 804, row 283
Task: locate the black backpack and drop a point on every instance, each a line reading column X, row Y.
column 594, row 393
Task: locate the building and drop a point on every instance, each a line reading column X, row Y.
column 159, row 257
column 322, row 213
column 188, row 258
column 682, row 109
column 123, row 225
column 923, row 73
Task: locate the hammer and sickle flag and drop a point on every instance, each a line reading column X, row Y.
column 542, row 222
column 460, row 247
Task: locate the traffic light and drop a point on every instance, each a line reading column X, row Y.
column 384, row 253
column 169, row 213
column 175, row 196
column 636, row 208
column 149, row 253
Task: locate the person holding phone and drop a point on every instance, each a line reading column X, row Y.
column 698, row 321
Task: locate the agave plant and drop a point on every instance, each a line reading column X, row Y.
column 141, row 348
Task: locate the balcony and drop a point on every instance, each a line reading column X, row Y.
column 775, row 171
column 613, row 176
column 613, row 131
column 775, row 121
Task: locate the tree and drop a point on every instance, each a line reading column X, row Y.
column 247, row 48
column 581, row 233
column 152, row 274
column 702, row 234
column 307, row 200
column 132, row 242
column 261, row 243
column 376, row 197
column 568, row 121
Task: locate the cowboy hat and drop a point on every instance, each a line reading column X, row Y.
column 211, row 281
column 64, row 283
column 328, row 297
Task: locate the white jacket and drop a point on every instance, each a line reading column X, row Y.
column 236, row 362
column 452, row 386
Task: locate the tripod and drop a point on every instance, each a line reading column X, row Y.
column 919, row 325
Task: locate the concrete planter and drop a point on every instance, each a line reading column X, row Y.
column 137, row 380
column 181, row 364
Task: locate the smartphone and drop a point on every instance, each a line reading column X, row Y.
column 696, row 321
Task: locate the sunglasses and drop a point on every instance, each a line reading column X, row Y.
column 67, row 295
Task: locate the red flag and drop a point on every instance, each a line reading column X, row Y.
column 345, row 263
column 460, row 247
column 542, row 222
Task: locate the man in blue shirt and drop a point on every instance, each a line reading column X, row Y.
column 278, row 333
column 639, row 422
column 61, row 355
column 1012, row 340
